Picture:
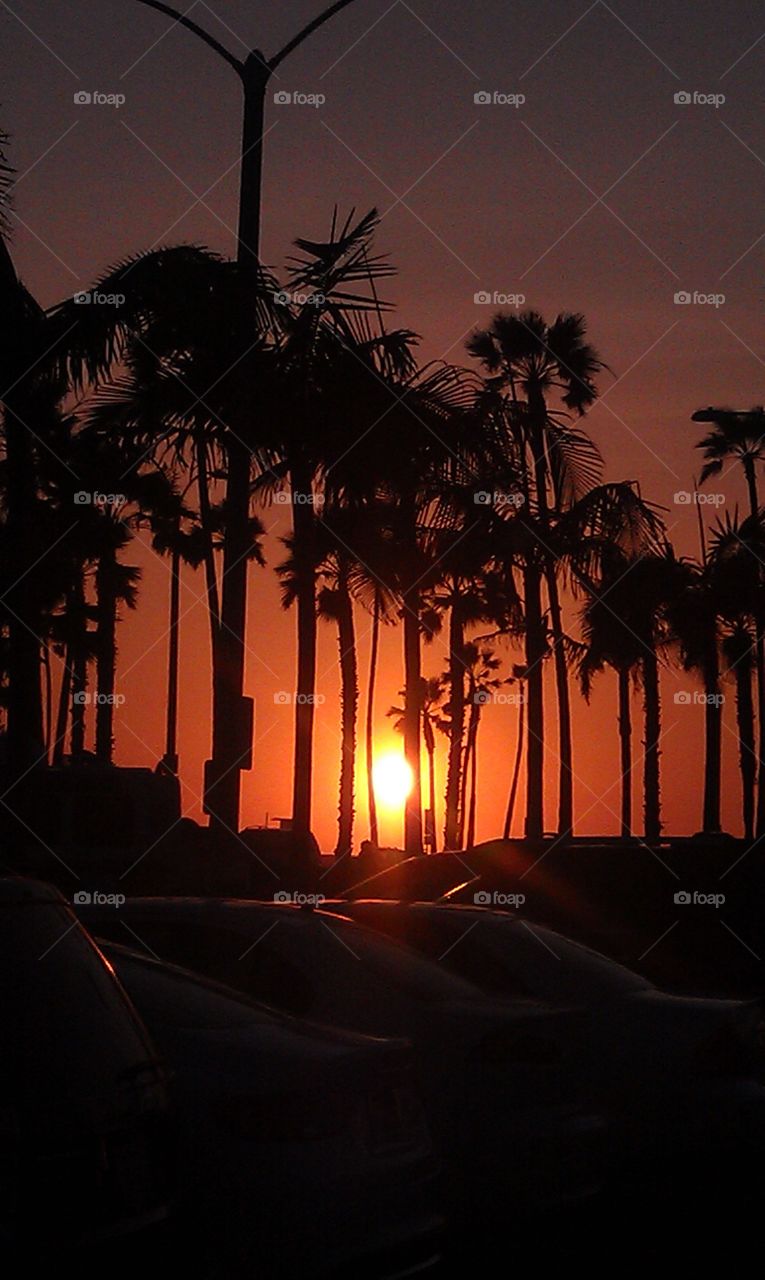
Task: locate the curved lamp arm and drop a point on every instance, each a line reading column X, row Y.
column 183, row 21
column 307, row 31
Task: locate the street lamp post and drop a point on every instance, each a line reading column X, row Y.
column 232, row 732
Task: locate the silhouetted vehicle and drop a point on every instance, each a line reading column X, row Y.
column 679, row 1078
column 86, row 1150
column 304, row 1151
column 493, row 1073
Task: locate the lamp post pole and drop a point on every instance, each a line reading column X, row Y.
column 232, row 717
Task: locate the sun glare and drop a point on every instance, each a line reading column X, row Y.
column 392, row 780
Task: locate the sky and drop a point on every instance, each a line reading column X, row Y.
column 616, row 169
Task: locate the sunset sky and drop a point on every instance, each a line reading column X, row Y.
column 599, row 193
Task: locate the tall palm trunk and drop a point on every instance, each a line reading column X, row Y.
column 759, row 659
column 373, row 831
column 170, row 758
column 565, row 749
column 516, row 772
column 712, row 741
column 625, row 748
column 742, row 666
column 456, row 726
column 412, row 712
column 350, row 698
column 303, row 534
column 472, row 755
column 48, row 700
column 535, row 652
column 430, row 747
column 106, row 653
column 651, row 783
column 64, row 695
column 211, row 577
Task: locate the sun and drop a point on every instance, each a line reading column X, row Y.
column 392, row 780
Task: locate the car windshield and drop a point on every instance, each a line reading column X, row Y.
column 395, row 965
column 167, row 996
column 519, row 955
column 417, row 878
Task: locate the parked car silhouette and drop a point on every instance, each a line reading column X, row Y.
column 304, row 1151
column 493, row 1072
column 86, row 1141
column 680, row 1078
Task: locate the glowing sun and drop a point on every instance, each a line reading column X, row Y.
column 392, row 779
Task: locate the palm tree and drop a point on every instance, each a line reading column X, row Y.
column 524, row 354
column 482, row 683
column 741, row 435
column 737, row 551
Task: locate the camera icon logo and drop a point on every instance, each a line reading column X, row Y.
column 482, row 498
column 82, row 898
column 482, row 98
column 282, row 896
column 683, row 98
column 683, row 298
column 482, row 898
column 481, row 697
column 683, row 698
column 682, row 498
column 282, row 98
column 82, row 299
column 82, row 498
column 82, row 98
column 282, row 698
column 482, row 298
column 682, row 898
column 281, row 498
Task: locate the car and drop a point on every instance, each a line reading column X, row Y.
column 85, row 1122
column 680, row 1078
column 304, row 1151
column 493, row 1072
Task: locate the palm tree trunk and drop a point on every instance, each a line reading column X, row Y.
column 170, row 759
column 516, row 771
column 211, row 577
column 565, row 749
column 373, row 831
column 711, row 823
column 106, row 654
column 350, row 697
column 745, row 724
column 759, row 657
column 456, row 727
column 535, row 653
column 472, row 752
column 651, row 781
column 303, row 534
column 412, row 710
column 625, row 744
column 48, row 700
column 62, row 717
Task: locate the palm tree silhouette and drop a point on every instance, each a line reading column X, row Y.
column 741, row 435
column 525, row 355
